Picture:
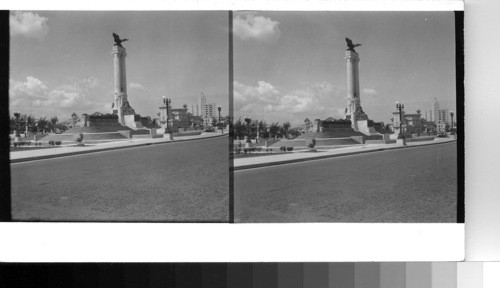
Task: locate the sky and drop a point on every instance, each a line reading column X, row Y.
column 289, row 66
column 61, row 62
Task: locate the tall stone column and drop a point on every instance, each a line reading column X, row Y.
column 353, row 101
column 120, row 75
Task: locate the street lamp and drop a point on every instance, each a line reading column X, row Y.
column 17, row 114
column 451, row 114
column 26, row 133
column 400, row 108
column 248, row 120
column 222, row 129
column 168, row 103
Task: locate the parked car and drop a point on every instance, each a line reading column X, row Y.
column 442, row 135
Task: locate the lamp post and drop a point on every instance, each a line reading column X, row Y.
column 168, row 104
column 26, row 132
column 17, row 114
column 451, row 114
column 400, row 108
column 221, row 129
column 248, row 120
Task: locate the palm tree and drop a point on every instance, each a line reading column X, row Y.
column 239, row 129
column 274, row 129
column 262, row 128
column 53, row 122
column 284, row 129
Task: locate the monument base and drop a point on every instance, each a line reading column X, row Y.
column 133, row 121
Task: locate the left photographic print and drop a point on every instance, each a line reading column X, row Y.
column 119, row 116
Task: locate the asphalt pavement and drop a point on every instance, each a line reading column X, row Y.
column 415, row 185
column 171, row 182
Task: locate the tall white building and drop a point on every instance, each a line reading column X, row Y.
column 202, row 103
column 435, row 111
column 204, row 109
column 443, row 116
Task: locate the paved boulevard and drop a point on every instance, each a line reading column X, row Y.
column 183, row 181
column 404, row 185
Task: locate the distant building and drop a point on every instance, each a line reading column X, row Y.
column 413, row 123
column 180, row 119
column 435, row 111
column 443, row 116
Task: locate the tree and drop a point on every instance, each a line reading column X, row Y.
column 284, row 129
column 30, row 122
column 262, row 128
column 295, row 132
column 308, row 124
column 53, row 123
column 239, row 129
column 42, row 124
column 185, row 106
column 274, row 129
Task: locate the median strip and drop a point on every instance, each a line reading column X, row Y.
column 340, row 154
column 94, row 150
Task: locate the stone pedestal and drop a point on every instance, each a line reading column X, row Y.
column 353, row 101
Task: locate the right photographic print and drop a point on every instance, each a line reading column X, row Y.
column 348, row 117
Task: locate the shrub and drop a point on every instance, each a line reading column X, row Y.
column 289, row 148
column 15, row 144
column 78, row 138
column 312, row 144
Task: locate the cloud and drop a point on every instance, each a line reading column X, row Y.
column 369, row 91
column 28, row 24
column 254, row 27
column 34, row 96
column 266, row 102
column 137, row 86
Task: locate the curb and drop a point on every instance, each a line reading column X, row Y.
column 105, row 149
column 259, row 165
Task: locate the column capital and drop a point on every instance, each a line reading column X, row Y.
column 119, row 50
column 351, row 55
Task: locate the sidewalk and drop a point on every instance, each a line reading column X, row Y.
column 67, row 150
column 299, row 156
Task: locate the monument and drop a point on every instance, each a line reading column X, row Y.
column 356, row 124
column 121, row 106
column 354, row 111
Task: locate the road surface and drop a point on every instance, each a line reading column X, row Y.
column 179, row 182
column 417, row 184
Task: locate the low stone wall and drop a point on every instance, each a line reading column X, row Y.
column 86, row 137
column 417, row 139
column 321, row 142
column 374, row 137
column 187, row 133
column 126, row 133
column 375, row 141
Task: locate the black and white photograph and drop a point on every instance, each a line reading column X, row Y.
column 119, row 116
column 346, row 117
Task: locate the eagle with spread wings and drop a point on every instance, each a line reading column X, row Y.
column 118, row 41
column 350, row 45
